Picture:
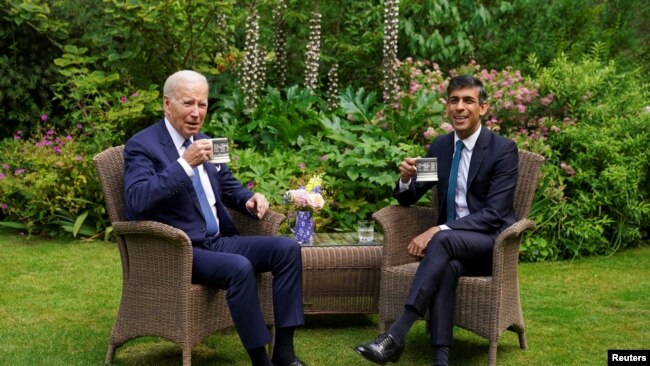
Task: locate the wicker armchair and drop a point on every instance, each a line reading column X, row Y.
column 487, row 306
column 158, row 297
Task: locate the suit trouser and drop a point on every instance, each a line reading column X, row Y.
column 449, row 255
column 232, row 263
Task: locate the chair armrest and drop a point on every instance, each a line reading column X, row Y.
column 249, row 225
column 159, row 256
column 400, row 224
column 506, row 249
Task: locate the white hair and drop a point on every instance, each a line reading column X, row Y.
column 169, row 89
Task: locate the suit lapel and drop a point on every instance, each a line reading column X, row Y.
column 478, row 154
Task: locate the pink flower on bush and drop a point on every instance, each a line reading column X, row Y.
column 4, row 206
column 43, row 117
column 323, row 157
column 135, row 94
column 567, row 168
column 250, row 185
column 56, row 149
column 123, row 99
column 5, row 166
column 429, row 133
column 19, row 171
column 2, row 176
column 78, row 158
column 447, row 127
column 79, row 126
column 235, row 157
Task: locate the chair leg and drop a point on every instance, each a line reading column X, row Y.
column 522, row 341
column 492, row 353
column 110, row 354
column 272, row 344
column 187, row 355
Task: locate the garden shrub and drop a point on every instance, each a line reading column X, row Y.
column 48, row 183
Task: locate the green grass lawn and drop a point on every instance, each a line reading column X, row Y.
column 59, row 299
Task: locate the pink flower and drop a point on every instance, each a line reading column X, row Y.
column 521, row 108
column 56, row 149
column 79, row 126
column 5, row 166
column 235, row 157
column 19, row 171
column 123, row 99
column 135, row 94
column 2, row 176
column 323, row 157
column 429, row 133
column 301, row 166
column 567, row 168
column 4, row 206
column 555, row 129
column 447, row 127
column 250, row 185
column 78, row 157
column 68, row 138
column 43, row 117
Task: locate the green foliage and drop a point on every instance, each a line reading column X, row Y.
column 48, row 185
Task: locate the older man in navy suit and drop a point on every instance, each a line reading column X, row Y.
column 168, row 178
column 477, row 175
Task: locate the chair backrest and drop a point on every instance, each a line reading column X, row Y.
column 110, row 169
column 530, row 165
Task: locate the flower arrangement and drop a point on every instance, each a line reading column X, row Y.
column 308, row 197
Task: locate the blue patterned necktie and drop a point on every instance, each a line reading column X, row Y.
column 211, row 226
column 453, row 177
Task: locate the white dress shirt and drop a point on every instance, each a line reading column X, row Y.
column 178, row 140
column 463, row 170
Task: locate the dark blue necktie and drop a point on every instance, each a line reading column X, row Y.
column 453, row 177
column 211, row 226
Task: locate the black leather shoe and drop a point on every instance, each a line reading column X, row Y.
column 381, row 350
column 296, row 362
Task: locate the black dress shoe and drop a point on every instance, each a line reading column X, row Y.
column 296, row 362
column 381, row 350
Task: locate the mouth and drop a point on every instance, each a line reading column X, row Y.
column 460, row 119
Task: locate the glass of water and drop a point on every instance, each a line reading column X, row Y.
column 366, row 231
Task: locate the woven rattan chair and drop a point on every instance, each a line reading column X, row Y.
column 158, row 297
column 487, row 306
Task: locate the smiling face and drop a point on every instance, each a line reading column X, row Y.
column 465, row 110
column 186, row 105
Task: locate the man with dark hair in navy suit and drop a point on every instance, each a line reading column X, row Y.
column 168, row 179
column 477, row 171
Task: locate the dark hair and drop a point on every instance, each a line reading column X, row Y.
column 465, row 81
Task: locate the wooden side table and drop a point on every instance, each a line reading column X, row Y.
column 340, row 275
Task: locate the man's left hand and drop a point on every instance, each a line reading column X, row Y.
column 257, row 205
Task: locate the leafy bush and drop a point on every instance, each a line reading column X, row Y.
column 48, row 184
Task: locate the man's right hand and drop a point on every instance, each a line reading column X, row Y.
column 407, row 170
column 198, row 153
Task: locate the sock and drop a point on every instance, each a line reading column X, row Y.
column 283, row 350
column 440, row 355
column 259, row 357
column 401, row 327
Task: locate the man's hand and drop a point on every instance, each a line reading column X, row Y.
column 407, row 170
column 198, row 153
column 419, row 244
column 257, row 205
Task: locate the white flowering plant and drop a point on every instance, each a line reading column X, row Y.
column 308, row 197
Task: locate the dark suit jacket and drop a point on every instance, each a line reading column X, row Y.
column 491, row 183
column 157, row 188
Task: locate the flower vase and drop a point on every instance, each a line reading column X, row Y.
column 304, row 231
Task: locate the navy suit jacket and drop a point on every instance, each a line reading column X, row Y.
column 157, row 188
column 491, row 182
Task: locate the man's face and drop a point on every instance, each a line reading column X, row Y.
column 465, row 111
column 186, row 110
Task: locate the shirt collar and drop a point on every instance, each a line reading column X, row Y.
column 177, row 138
column 469, row 142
